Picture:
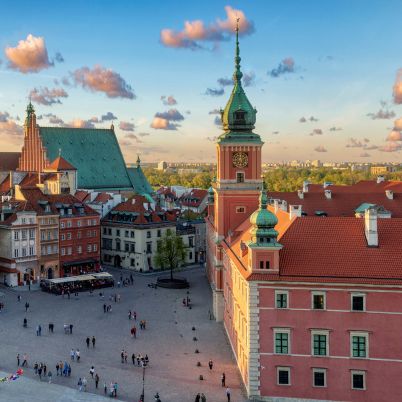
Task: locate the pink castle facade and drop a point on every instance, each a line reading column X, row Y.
column 312, row 305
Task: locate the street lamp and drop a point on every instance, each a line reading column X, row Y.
column 144, row 365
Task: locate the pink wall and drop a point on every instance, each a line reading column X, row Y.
column 383, row 378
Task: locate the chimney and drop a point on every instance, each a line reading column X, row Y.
column 389, row 194
column 300, row 193
column 370, row 223
column 276, row 205
column 328, row 194
column 305, row 186
column 295, row 210
column 380, row 179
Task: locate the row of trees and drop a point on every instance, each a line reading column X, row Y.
column 281, row 179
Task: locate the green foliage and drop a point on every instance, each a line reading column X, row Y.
column 170, row 253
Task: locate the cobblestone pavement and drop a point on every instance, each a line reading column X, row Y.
column 168, row 340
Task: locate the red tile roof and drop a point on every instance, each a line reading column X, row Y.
column 328, row 249
column 61, row 164
column 81, row 195
column 363, row 186
column 193, row 198
column 102, row 198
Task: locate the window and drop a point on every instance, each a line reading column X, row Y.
column 62, row 225
column 118, row 245
column 88, row 233
column 94, row 222
column 109, row 231
column 318, row 300
column 261, row 264
column 283, row 375
column 43, row 250
column 191, row 241
column 24, row 234
column 79, row 249
column 63, row 251
column 159, row 234
column 190, row 255
column 358, row 302
column 358, row 379
column 16, row 253
column 240, row 210
column 23, row 220
column 63, row 236
column 89, row 248
column 240, row 117
column 49, row 235
column 69, row 224
column 49, row 249
column 132, row 247
column 89, row 222
column 69, row 236
column 24, row 252
column 132, row 234
column 149, row 247
column 78, row 223
column 240, row 177
column 319, row 377
column 281, row 337
column 126, row 233
column 148, row 234
column 79, row 234
column 359, row 344
column 266, row 264
column 132, row 263
column 95, row 247
column 281, row 298
column 126, row 247
column 320, row 343
column 69, row 250
column 31, row 233
column 42, row 235
column 16, row 235
column 117, row 232
column 104, row 231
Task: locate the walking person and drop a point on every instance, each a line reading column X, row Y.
column 211, row 364
column 92, row 371
column 84, row 384
column 71, row 329
column 25, row 360
column 228, row 393
column 18, row 359
column 96, row 380
column 203, row 398
column 133, row 358
column 26, row 306
column 40, row 372
column 87, row 341
column 223, row 380
column 49, row 376
column 36, row 368
column 72, row 354
column 79, row 384
column 198, row 397
column 93, row 341
column 78, row 355
column 105, row 387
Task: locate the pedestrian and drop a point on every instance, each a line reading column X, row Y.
column 25, row 323
column 26, row 306
column 228, row 394
column 125, row 357
column 135, row 315
column 18, row 359
column 68, row 294
column 57, row 368
column 129, row 314
column 96, row 380
column 131, row 279
column 122, row 356
column 133, row 358
column 40, row 372
column 72, row 354
column 210, row 364
column 92, row 371
column 71, row 329
column 78, row 355
column 105, row 388
column 79, row 384
column 25, row 360
column 44, row 369
column 37, row 330
column 49, row 376
column 115, row 386
column 198, row 397
column 203, row 398
column 36, row 368
column 104, row 307
column 84, row 384
column 223, row 379
column 93, row 341
column 87, row 341
column 68, row 370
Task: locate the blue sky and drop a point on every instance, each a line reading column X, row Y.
column 342, row 62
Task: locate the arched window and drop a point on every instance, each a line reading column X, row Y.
column 240, row 117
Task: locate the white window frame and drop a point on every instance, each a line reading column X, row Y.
column 320, row 370
column 319, row 332
column 282, row 368
column 69, row 224
column 282, row 331
column 62, row 225
column 358, row 295
column 318, row 293
column 364, row 335
column 287, row 299
column 352, row 372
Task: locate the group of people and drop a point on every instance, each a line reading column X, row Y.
column 126, row 281
column 41, row 370
column 90, row 340
column 63, row 369
column 75, row 355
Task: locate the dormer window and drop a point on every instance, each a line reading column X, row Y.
column 240, row 117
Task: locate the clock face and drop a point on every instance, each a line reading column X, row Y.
column 240, row 159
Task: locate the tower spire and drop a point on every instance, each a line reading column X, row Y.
column 237, row 75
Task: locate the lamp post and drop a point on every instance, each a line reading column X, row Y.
column 144, row 365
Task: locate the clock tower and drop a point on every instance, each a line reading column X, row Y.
column 238, row 182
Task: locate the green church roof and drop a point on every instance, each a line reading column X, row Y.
column 94, row 152
column 139, row 181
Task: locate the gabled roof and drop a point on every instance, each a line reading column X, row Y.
column 61, row 164
column 193, row 198
column 95, row 153
column 9, row 161
column 82, row 195
column 102, row 198
column 139, row 181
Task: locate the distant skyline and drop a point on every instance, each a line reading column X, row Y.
column 325, row 77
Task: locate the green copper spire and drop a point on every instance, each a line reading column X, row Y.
column 30, row 112
column 138, row 161
column 239, row 116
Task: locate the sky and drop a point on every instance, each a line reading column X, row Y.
column 325, row 76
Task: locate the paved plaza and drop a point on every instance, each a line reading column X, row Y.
column 168, row 341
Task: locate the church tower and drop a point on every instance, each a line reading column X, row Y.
column 238, row 183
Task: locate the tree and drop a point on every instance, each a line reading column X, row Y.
column 170, row 253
